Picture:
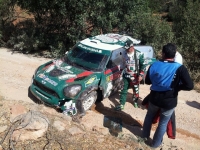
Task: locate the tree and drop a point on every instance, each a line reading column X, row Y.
column 186, row 18
column 6, row 18
column 152, row 30
column 186, row 24
column 59, row 24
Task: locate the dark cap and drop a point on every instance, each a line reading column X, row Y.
column 128, row 44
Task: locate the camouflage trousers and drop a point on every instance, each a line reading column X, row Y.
column 128, row 83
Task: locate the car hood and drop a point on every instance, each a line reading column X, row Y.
column 58, row 72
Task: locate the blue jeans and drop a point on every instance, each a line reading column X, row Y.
column 162, row 125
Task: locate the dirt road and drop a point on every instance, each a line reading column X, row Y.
column 16, row 72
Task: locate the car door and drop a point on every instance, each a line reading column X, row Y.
column 148, row 52
column 149, row 57
column 111, row 78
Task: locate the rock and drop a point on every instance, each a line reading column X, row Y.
column 95, row 128
column 67, row 118
column 17, row 110
column 32, row 126
column 49, row 110
column 127, row 147
column 53, row 111
column 75, row 131
column 60, row 126
column 3, row 128
column 103, row 131
column 100, row 140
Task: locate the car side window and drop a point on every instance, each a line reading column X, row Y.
column 116, row 59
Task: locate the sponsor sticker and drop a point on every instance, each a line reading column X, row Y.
column 42, row 76
column 67, row 76
column 43, row 82
column 90, row 48
column 66, row 69
column 50, row 68
column 90, row 81
column 113, row 76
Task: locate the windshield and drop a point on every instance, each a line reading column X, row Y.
column 86, row 59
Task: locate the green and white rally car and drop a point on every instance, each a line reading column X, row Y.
column 90, row 71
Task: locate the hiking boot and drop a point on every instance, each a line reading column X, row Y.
column 119, row 107
column 159, row 147
column 135, row 104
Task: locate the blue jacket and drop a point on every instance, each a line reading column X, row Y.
column 167, row 79
column 162, row 74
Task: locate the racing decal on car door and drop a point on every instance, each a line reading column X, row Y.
column 112, row 74
column 91, row 81
column 112, row 77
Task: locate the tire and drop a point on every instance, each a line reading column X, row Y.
column 89, row 100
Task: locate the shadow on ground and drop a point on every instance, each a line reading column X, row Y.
column 194, row 104
column 128, row 121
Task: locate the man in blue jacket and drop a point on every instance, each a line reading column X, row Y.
column 167, row 78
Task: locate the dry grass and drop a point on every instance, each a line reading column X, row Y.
column 21, row 15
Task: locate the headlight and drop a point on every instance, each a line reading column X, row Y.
column 72, row 90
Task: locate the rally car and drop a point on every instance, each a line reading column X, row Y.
column 90, row 71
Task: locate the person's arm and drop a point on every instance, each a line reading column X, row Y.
column 142, row 65
column 186, row 81
column 147, row 78
column 123, row 63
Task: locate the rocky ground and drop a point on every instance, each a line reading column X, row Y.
column 62, row 133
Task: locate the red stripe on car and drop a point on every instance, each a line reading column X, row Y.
column 83, row 74
column 116, row 68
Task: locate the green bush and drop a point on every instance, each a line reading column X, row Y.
column 67, row 23
column 6, row 17
column 186, row 27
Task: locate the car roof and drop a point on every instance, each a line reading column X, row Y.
column 108, row 42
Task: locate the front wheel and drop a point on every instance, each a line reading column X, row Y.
column 84, row 104
column 89, row 100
